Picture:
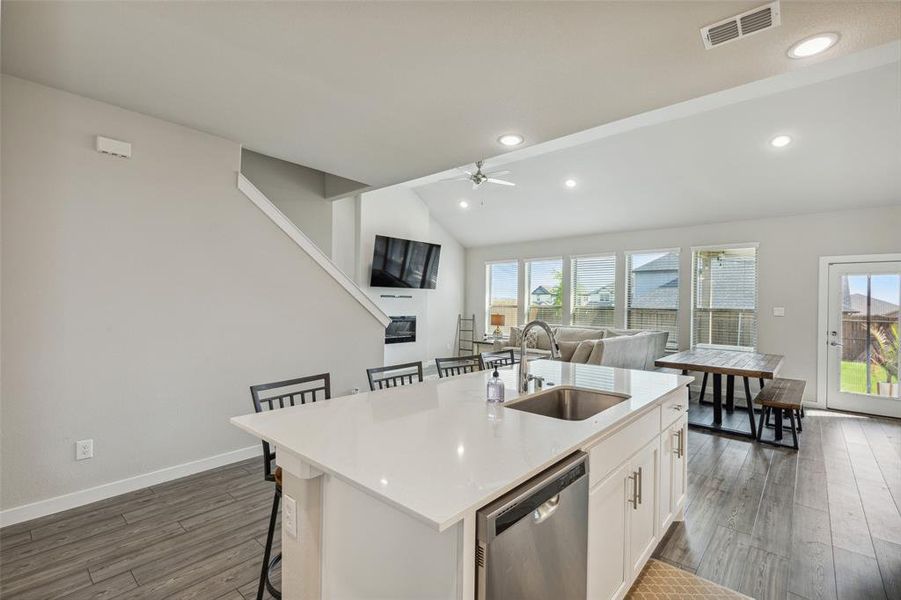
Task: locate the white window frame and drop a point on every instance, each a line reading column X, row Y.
column 670, row 345
column 730, row 246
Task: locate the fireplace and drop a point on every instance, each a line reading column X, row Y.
column 401, row 330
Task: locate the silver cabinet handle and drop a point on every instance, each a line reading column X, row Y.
column 634, row 499
column 681, row 442
column 639, row 485
column 677, row 407
column 678, row 449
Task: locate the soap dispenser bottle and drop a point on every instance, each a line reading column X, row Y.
column 495, row 388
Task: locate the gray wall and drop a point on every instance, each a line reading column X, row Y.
column 142, row 297
column 788, row 263
column 297, row 191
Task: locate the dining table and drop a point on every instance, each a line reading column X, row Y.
column 731, row 364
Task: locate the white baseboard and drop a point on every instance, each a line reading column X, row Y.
column 42, row 508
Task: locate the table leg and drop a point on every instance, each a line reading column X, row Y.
column 717, row 399
column 778, row 412
column 750, row 407
column 730, row 393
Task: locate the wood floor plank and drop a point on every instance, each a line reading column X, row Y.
column 84, row 515
column 44, row 588
column 105, row 590
column 773, row 529
column 215, row 563
column 812, row 569
column 857, row 576
column 879, row 507
column 847, row 520
column 60, row 539
column 888, row 557
column 810, row 490
column 234, row 577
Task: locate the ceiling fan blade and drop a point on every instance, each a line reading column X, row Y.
column 453, row 179
column 495, row 173
column 500, row 181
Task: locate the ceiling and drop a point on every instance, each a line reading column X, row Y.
column 715, row 165
column 386, row 92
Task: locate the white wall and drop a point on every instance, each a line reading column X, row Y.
column 297, row 191
column 788, row 257
column 399, row 212
column 345, row 235
column 142, row 297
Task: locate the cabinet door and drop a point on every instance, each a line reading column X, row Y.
column 668, row 444
column 608, row 569
column 643, row 517
column 680, row 464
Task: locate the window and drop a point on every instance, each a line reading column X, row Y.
column 724, row 297
column 544, row 285
column 593, row 291
column 503, row 294
column 652, row 299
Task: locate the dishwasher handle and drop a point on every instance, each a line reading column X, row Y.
column 546, row 510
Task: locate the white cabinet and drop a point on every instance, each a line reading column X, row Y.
column 642, row 504
column 608, row 576
column 672, row 472
column 622, row 532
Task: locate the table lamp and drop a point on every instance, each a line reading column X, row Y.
column 498, row 322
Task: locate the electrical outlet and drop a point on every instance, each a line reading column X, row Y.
column 289, row 517
column 84, row 449
column 778, row 311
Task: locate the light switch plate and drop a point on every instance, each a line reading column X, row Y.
column 289, row 517
column 778, row 311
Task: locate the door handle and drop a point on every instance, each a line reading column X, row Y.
column 544, row 512
column 834, row 344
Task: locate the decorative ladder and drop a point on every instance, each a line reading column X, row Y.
column 466, row 331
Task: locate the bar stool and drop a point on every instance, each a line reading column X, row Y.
column 281, row 394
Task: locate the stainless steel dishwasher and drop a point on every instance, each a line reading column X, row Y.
column 532, row 543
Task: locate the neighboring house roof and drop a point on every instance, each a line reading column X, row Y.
column 541, row 291
column 667, row 262
column 858, row 304
column 663, row 296
column 734, row 288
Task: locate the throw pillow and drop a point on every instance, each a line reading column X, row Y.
column 515, row 333
column 567, row 349
column 597, row 354
column 583, row 351
column 532, row 338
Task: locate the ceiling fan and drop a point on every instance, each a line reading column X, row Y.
column 478, row 178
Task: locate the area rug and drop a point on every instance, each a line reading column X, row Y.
column 659, row 581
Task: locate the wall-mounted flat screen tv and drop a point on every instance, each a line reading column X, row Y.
column 399, row 263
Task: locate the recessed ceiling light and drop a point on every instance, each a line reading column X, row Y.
column 813, row 45
column 570, row 183
column 464, row 204
column 780, row 141
column 510, row 139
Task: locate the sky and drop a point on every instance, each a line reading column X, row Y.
column 884, row 287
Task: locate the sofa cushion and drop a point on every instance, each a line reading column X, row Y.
column 597, row 353
column 577, row 334
column 567, row 349
column 583, row 351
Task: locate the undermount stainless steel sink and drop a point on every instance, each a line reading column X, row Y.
column 568, row 404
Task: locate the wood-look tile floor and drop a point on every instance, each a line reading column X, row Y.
column 199, row 537
column 823, row 522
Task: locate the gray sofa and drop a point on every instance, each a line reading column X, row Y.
column 607, row 346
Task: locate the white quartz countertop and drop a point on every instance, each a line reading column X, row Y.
column 437, row 450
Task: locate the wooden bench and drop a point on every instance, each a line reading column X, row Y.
column 778, row 396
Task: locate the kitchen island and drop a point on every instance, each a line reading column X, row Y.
column 386, row 484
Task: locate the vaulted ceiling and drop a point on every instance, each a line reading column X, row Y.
column 385, row 92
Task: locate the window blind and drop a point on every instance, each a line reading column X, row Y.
column 652, row 299
column 503, row 294
column 593, row 290
column 544, row 286
column 724, row 298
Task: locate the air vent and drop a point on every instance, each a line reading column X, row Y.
column 747, row 23
column 480, row 555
